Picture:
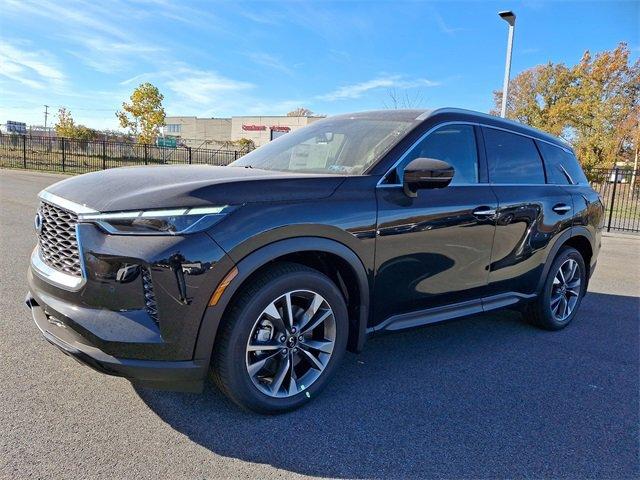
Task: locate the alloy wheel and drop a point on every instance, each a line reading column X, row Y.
column 291, row 343
column 565, row 290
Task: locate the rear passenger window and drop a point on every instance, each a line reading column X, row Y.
column 512, row 158
column 562, row 167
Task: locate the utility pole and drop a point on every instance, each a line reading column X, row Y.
column 509, row 17
column 46, row 114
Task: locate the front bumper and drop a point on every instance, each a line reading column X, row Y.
column 166, row 375
column 104, row 321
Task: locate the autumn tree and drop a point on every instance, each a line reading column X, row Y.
column 65, row 126
column 246, row 144
column 538, row 97
column 144, row 115
column 594, row 105
column 606, row 97
column 85, row 133
column 300, row 112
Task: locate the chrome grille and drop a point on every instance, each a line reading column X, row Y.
column 57, row 239
column 149, row 296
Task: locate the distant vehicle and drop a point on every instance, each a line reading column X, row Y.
column 267, row 270
column 617, row 176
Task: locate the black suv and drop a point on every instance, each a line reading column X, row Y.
column 265, row 271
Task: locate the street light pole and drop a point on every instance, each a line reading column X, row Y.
column 509, row 17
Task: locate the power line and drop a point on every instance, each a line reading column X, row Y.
column 88, row 109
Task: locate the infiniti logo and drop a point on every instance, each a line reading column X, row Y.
column 38, row 222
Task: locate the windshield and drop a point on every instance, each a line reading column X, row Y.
column 340, row 145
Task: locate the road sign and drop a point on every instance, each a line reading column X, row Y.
column 166, row 142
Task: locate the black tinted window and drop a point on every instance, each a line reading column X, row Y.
column 562, row 167
column 512, row 158
column 454, row 144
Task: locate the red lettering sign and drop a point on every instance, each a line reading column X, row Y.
column 254, row 128
column 278, row 128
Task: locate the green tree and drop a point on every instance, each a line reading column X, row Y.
column 594, row 104
column 144, row 115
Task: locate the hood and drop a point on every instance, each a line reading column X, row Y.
column 136, row 188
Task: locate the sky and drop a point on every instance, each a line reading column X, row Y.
column 226, row 58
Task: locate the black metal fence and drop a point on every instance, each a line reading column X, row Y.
column 619, row 189
column 82, row 156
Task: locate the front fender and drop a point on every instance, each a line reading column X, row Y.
column 260, row 257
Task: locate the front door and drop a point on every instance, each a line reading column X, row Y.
column 435, row 249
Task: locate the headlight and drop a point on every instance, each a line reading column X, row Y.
column 175, row 221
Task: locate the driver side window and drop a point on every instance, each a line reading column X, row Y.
column 454, row 144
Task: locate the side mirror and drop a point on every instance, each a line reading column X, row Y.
column 424, row 173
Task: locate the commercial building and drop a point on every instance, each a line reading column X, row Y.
column 194, row 131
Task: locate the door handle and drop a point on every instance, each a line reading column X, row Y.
column 561, row 208
column 484, row 212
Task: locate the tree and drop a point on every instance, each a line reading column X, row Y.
column 606, row 95
column 85, row 133
column 595, row 104
column 538, row 97
column 399, row 100
column 65, row 127
column 145, row 114
column 300, row 112
column 246, row 144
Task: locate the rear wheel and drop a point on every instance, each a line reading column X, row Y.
column 562, row 292
column 282, row 339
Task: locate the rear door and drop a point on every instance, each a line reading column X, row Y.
column 563, row 168
column 531, row 214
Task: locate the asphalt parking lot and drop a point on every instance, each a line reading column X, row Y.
column 485, row 397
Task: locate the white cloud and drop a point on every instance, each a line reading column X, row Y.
column 72, row 16
column 202, row 86
column 109, row 56
column 35, row 69
column 271, row 61
column 444, row 28
column 136, row 78
column 99, row 38
column 391, row 81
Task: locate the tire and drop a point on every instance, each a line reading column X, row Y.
column 253, row 330
column 547, row 310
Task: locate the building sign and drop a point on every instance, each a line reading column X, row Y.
column 254, row 128
column 16, row 127
column 262, row 128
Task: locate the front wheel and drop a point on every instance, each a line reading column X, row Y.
column 282, row 339
column 562, row 293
